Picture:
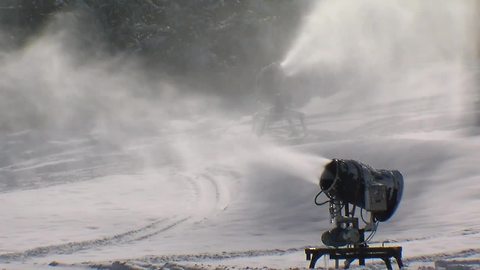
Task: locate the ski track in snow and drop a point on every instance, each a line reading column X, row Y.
column 444, row 256
column 139, row 234
column 208, row 196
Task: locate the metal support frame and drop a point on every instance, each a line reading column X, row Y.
column 351, row 254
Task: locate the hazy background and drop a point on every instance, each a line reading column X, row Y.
column 86, row 58
column 130, row 65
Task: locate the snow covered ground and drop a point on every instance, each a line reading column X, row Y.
column 235, row 201
column 200, row 190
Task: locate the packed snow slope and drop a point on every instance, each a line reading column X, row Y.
column 241, row 197
column 121, row 174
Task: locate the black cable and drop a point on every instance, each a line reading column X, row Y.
column 372, row 234
column 316, row 197
column 361, row 215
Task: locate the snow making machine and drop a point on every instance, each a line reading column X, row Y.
column 348, row 185
column 276, row 115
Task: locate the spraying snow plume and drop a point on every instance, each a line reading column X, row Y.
column 383, row 34
column 372, row 52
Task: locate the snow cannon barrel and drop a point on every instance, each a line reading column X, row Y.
column 377, row 191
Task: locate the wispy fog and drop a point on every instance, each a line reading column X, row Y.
column 62, row 85
column 49, row 85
